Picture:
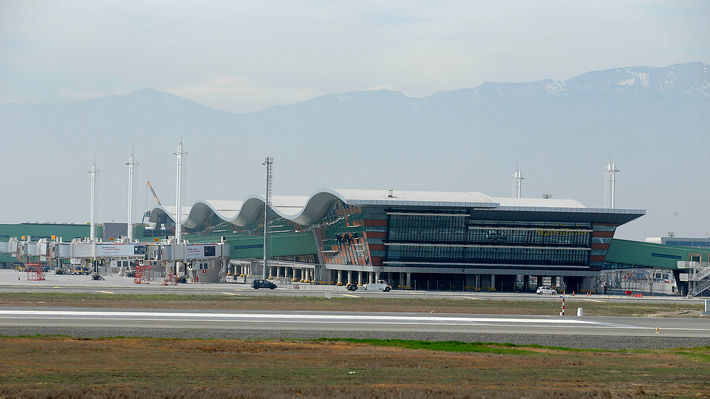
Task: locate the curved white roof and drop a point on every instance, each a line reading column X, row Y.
column 539, row 203
column 308, row 210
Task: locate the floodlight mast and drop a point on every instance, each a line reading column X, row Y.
column 131, row 163
column 92, row 217
column 178, row 194
column 611, row 184
column 269, row 161
column 92, row 233
column 517, row 183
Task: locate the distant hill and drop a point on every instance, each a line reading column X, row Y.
column 653, row 122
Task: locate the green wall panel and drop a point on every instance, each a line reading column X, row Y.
column 651, row 255
column 242, row 247
column 66, row 231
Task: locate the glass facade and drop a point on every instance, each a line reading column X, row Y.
column 457, row 238
column 341, row 236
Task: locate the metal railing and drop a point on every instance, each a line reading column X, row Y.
column 698, row 276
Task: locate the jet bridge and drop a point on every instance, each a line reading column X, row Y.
column 199, row 263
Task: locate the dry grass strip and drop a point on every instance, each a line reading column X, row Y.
column 59, row 367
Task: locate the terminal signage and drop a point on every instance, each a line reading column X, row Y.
column 100, row 250
column 200, row 251
column 114, row 250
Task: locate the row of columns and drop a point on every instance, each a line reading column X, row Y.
column 277, row 272
column 343, row 277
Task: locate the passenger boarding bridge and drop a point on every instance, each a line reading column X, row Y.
column 166, row 258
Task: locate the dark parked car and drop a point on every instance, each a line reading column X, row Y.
column 256, row 284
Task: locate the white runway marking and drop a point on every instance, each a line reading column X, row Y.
column 324, row 318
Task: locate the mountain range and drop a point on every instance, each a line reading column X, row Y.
column 653, row 122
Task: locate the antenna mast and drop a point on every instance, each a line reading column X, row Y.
column 269, row 161
column 131, row 163
column 610, row 184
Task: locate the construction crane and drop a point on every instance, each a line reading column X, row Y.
column 147, row 213
column 153, row 191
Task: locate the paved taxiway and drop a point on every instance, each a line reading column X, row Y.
column 581, row 332
column 12, row 281
column 569, row 331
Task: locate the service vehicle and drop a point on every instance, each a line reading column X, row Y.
column 380, row 285
column 256, row 284
column 545, row 290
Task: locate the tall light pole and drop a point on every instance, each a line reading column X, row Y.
column 611, row 184
column 268, row 162
column 178, row 194
column 178, row 202
column 92, row 233
column 92, row 217
column 517, row 183
column 131, row 163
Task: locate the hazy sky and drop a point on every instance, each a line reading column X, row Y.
column 243, row 56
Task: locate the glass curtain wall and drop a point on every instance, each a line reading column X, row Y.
column 438, row 238
column 341, row 234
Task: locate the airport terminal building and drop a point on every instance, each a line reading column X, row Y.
column 422, row 240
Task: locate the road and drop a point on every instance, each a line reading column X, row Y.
column 12, row 281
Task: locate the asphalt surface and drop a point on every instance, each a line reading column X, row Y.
column 12, row 281
column 574, row 332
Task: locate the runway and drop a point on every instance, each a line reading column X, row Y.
column 568, row 331
column 601, row 332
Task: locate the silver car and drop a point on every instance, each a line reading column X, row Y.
column 545, row 290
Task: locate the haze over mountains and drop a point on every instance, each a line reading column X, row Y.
column 654, row 122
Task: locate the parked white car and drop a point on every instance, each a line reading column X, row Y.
column 380, row 285
column 545, row 290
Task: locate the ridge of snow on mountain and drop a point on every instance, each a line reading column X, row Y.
column 691, row 79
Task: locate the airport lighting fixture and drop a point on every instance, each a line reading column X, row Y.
column 517, row 183
column 610, row 184
column 131, row 163
column 269, row 161
column 92, row 217
column 178, row 194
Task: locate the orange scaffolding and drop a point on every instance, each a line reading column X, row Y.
column 34, row 272
column 171, row 277
column 142, row 275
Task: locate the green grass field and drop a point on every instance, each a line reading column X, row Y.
column 116, row 367
column 62, row 367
